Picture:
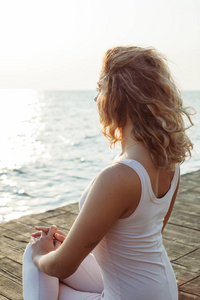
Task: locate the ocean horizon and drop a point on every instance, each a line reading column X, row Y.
column 51, row 148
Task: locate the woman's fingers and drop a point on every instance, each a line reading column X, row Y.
column 61, row 233
column 42, row 228
column 57, row 244
column 57, row 234
column 52, row 231
column 60, row 237
column 36, row 234
column 43, row 234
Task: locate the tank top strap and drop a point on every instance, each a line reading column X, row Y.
column 139, row 169
column 146, row 182
column 145, row 188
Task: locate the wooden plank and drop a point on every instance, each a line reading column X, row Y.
column 10, row 234
column 175, row 249
column 72, row 208
column 183, row 275
column 10, row 289
column 192, row 287
column 186, row 296
column 190, row 261
column 9, row 252
column 185, row 219
column 182, row 235
column 191, row 177
column 2, row 297
column 11, row 269
column 65, row 220
column 15, row 244
column 18, row 226
column 188, row 202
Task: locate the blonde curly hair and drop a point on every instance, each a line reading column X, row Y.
column 136, row 82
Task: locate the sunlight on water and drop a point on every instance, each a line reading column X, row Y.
column 19, row 129
column 19, row 111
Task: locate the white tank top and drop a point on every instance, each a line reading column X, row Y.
column 132, row 258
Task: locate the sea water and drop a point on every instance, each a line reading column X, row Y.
column 51, row 147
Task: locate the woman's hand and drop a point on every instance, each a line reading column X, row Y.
column 59, row 236
column 43, row 244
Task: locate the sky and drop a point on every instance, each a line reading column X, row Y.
column 53, row 45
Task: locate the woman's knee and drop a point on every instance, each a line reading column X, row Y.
column 27, row 252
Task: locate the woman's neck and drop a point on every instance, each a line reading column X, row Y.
column 127, row 139
column 129, row 145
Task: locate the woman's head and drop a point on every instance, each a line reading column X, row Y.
column 135, row 83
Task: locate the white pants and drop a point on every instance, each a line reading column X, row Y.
column 86, row 283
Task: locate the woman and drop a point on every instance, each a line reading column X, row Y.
column 124, row 211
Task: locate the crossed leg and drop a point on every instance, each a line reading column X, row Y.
column 85, row 283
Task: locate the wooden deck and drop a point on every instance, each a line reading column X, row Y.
column 181, row 239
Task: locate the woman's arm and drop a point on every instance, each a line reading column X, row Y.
column 110, row 197
column 171, row 206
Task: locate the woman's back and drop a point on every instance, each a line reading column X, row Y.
column 131, row 255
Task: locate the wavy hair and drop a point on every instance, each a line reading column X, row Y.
column 136, row 82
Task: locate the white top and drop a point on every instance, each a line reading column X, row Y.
column 132, row 258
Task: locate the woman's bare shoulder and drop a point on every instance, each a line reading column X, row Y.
column 120, row 180
column 117, row 172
